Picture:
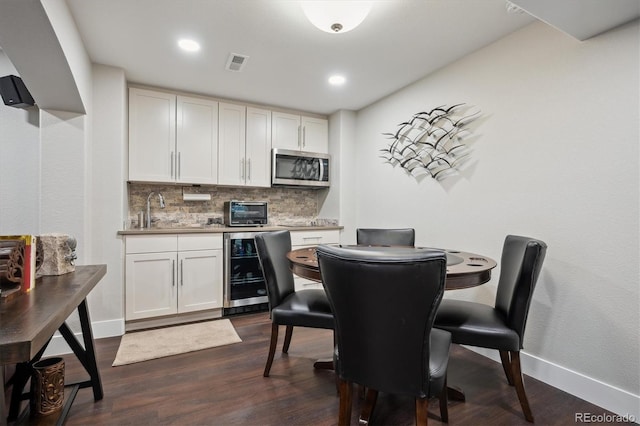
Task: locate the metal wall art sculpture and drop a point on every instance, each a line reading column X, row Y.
column 431, row 142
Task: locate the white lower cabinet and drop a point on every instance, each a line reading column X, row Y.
column 172, row 274
column 300, row 239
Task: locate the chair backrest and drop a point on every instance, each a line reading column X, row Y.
column 520, row 267
column 384, row 303
column 272, row 248
column 385, row 237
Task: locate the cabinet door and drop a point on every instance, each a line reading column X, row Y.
column 151, row 289
column 231, row 140
column 199, row 280
column 301, row 239
column 152, row 135
column 258, row 147
column 197, row 141
column 285, row 131
column 315, row 135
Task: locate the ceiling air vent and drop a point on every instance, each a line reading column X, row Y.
column 236, row 62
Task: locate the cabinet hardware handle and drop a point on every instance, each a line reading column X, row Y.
column 173, row 273
column 249, row 172
column 311, row 238
column 242, row 169
column 304, row 136
column 172, row 154
column 181, row 273
column 299, row 135
column 179, row 166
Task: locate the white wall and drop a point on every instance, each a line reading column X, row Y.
column 107, row 195
column 73, row 175
column 339, row 200
column 19, row 164
column 555, row 157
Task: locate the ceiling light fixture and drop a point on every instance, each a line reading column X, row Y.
column 337, row 80
column 337, row 16
column 189, row 45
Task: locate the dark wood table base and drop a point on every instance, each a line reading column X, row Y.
column 85, row 355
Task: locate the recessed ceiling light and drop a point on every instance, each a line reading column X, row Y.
column 189, row 45
column 337, row 80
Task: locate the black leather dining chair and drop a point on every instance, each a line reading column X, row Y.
column 304, row 308
column 384, row 305
column 386, row 237
column 501, row 326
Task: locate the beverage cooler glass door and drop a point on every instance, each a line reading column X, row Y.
column 244, row 281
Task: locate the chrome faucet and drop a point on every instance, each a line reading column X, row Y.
column 149, row 206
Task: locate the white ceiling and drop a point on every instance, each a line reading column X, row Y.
column 289, row 61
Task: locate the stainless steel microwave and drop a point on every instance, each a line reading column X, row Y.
column 245, row 213
column 300, row 168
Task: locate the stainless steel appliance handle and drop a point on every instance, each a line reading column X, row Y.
column 321, row 169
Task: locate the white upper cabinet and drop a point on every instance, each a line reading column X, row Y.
column 315, row 134
column 231, row 140
column 197, row 141
column 285, row 131
column 300, row 133
column 245, row 146
column 258, row 147
column 172, row 138
column 200, row 141
column 152, row 135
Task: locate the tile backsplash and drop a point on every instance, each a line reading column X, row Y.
column 287, row 206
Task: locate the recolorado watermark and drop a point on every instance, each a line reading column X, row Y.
column 604, row 418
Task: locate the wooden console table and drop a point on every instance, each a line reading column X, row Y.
column 27, row 324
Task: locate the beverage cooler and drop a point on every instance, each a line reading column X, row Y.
column 244, row 285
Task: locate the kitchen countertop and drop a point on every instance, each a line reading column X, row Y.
column 219, row 229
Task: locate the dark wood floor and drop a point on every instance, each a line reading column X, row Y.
column 224, row 386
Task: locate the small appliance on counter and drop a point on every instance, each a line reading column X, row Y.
column 245, row 213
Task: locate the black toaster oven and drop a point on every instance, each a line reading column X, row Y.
column 245, row 213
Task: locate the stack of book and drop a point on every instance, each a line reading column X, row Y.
column 17, row 265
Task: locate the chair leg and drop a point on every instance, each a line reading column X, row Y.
column 506, row 366
column 516, row 373
column 344, row 416
column 287, row 339
column 444, row 407
column 272, row 349
column 368, row 406
column 422, row 411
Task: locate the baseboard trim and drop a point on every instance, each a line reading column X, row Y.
column 101, row 329
column 603, row 395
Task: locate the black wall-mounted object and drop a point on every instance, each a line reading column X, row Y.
column 14, row 93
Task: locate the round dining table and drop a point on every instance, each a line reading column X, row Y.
column 464, row 269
